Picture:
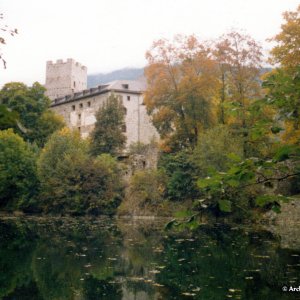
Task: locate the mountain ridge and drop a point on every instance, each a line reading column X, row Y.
column 120, row 74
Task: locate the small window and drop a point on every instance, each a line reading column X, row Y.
column 79, row 128
column 123, row 128
column 80, row 105
column 125, row 86
column 74, row 84
column 128, row 98
column 89, row 104
column 125, row 110
column 73, row 107
column 79, row 116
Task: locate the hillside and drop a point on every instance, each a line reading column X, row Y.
column 126, row 73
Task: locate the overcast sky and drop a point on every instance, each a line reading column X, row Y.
column 106, row 35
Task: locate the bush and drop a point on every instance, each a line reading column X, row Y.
column 146, row 192
column 74, row 182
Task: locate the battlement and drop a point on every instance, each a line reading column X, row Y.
column 65, row 77
column 69, row 61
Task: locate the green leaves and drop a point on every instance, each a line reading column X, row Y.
column 263, row 200
column 225, row 205
column 286, row 152
column 273, row 200
column 108, row 135
column 27, row 109
column 276, row 129
column 18, row 182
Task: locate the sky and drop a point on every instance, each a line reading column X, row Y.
column 106, row 35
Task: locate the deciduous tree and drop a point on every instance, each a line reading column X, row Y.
column 18, row 179
column 35, row 122
column 239, row 58
column 182, row 84
column 287, row 50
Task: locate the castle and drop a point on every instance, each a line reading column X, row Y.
column 66, row 85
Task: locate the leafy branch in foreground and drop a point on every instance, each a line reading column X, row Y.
column 258, row 178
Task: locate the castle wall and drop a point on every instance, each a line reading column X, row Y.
column 66, row 85
column 63, row 78
column 80, row 114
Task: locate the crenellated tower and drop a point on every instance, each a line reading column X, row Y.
column 64, row 78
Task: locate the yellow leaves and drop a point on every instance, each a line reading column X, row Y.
column 287, row 51
column 65, row 131
column 291, row 135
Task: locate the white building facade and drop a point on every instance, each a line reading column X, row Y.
column 79, row 108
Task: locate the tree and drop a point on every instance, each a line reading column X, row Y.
column 282, row 84
column 213, row 148
column 18, row 180
column 35, row 121
column 47, row 123
column 8, row 118
column 283, row 92
column 182, row 174
column 287, row 50
column 182, row 83
column 240, row 59
column 108, row 135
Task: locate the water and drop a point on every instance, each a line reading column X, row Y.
column 54, row 258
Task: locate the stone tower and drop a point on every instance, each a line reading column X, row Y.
column 64, row 78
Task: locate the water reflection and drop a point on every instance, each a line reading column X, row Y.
column 109, row 259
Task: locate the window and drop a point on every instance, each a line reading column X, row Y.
column 128, row 98
column 89, row 104
column 79, row 116
column 125, row 86
column 74, row 84
column 125, row 110
column 80, row 105
column 123, row 128
column 73, row 107
column 79, row 128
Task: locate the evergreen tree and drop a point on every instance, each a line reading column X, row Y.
column 108, row 134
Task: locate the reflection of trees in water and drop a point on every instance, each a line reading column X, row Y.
column 86, row 259
column 226, row 262
column 16, row 247
column 94, row 289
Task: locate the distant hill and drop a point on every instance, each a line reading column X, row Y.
column 125, row 74
column 122, row 74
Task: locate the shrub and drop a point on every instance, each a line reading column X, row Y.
column 74, row 182
column 145, row 193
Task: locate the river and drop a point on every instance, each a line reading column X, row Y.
column 103, row 258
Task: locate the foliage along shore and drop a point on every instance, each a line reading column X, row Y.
column 230, row 137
